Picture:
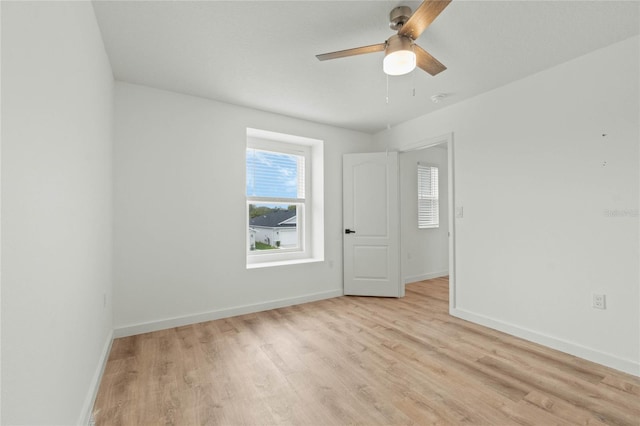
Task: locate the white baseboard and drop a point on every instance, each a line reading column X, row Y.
column 90, row 399
column 146, row 327
column 428, row 276
column 609, row 360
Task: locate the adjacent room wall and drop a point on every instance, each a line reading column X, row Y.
column 180, row 212
column 57, row 103
column 547, row 172
column 425, row 252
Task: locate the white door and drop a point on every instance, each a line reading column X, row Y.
column 371, row 225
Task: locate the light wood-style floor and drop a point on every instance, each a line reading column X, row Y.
column 356, row 360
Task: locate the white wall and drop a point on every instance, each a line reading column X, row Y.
column 179, row 211
column 425, row 252
column 57, row 102
column 538, row 237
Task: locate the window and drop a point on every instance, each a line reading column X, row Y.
column 428, row 203
column 276, row 196
column 282, row 215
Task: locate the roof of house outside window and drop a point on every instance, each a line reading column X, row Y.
column 275, row 219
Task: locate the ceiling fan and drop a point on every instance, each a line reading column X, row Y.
column 401, row 53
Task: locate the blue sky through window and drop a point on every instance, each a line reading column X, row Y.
column 272, row 174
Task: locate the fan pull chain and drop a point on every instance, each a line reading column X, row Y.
column 387, row 89
column 413, row 83
column 413, row 76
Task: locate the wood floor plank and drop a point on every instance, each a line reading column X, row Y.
column 562, row 409
column 356, row 360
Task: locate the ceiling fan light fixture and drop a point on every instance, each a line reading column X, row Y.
column 399, row 58
column 401, row 54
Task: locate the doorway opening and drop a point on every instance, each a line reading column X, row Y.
column 428, row 252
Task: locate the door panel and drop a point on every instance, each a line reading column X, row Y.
column 371, row 211
column 368, row 179
column 370, row 262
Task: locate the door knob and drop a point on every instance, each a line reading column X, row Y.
column 349, row 231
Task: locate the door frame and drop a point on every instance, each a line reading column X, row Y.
column 429, row 143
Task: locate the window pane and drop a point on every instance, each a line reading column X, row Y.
column 428, row 202
column 274, row 174
column 273, row 226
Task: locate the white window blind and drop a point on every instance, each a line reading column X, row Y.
column 428, row 202
column 275, row 174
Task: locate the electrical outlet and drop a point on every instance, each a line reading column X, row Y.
column 599, row 301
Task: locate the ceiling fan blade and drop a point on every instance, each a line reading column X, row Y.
column 426, row 62
column 352, row 52
column 423, row 17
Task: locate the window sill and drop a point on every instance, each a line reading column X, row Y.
column 283, row 263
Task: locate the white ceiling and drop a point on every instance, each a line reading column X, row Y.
column 261, row 54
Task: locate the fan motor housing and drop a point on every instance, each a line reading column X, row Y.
column 399, row 16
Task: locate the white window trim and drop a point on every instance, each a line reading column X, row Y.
column 312, row 238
